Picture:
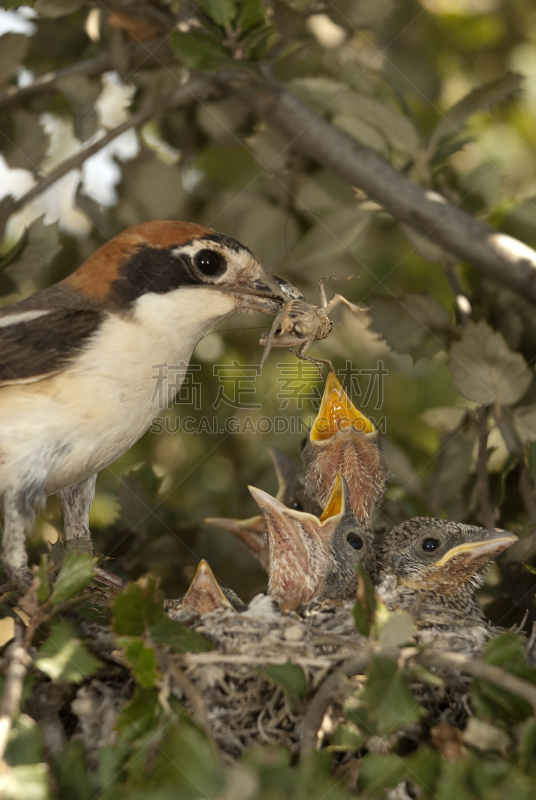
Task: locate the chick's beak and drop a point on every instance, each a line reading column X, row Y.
column 337, row 412
column 204, row 594
column 298, row 555
column 486, row 543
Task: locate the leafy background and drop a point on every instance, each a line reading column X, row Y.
column 446, row 91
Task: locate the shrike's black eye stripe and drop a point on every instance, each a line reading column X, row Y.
column 152, row 269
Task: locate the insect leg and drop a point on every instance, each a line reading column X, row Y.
column 338, row 298
column 321, row 289
column 271, row 336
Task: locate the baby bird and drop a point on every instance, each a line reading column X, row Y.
column 313, row 557
column 344, row 440
column 432, row 567
column 204, row 595
column 291, row 492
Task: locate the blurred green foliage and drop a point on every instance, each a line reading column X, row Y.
column 445, row 90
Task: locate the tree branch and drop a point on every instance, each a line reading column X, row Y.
column 18, row 662
column 182, row 97
column 494, row 254
column 152, row 53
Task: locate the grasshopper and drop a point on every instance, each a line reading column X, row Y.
column 300, row 323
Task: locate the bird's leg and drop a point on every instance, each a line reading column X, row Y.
column 16, row 522
column 76, row 501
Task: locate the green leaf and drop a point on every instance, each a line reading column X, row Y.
column 413, row 323
column 188, row 763
column 479, row 99
column 485, row 370
column 527, row 747
column 138, row 607
column 291, row 678
column 199, row 50
column 250, row 13
column 222, row 12
column 76, row 573
column 41, row 245
column 52, row 9
column 336, row 233
column 380, row 772
column 365, row 604
column 140, row 717
column 64, row 656
column 25, row 742
column 71, row 772
column 397, row 629
column 386, row 703
column 346, row 737
column 396, row 128
column 179, row 637
column 142, row 661
column 13, row 49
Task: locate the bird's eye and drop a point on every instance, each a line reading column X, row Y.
column 354, row 540
column 297, row 506
column 208, row 262
column 429, row 545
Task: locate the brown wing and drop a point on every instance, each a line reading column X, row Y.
column 34, row 347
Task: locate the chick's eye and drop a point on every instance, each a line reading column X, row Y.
column 429, row 545
column 354, row 540
column 209, row 262
column 297, row 506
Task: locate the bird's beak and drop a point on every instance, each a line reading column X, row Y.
column 489, row 543
column 260, row 291
column 204, row 594
column 337, row 412
column 298, row 555
column 334, row 510
column 250, row 531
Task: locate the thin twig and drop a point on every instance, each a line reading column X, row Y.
column 477, row 668
column 330, row 690
column 182, row 97
column 19, row 661
column 463, row 304
column 218, row 658
column 148, row 54
column 482, row 482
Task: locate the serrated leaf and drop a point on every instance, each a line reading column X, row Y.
column 25, row 742
column 199, row 50
column 42, row 244
column 179, row 637
column 142, row 661
column 62, row 655
column 75, row 574
column 138, row 607
column 365, row 604
column 222, row 12
column 13, row 49
column 397, row 129
column 412, row 323
column 140, row 716
column 479, row 99
column 444, row 418
column 485, row 370
column 380, row 772
column 53, row 9
column 291, row 678
column 335, row 233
